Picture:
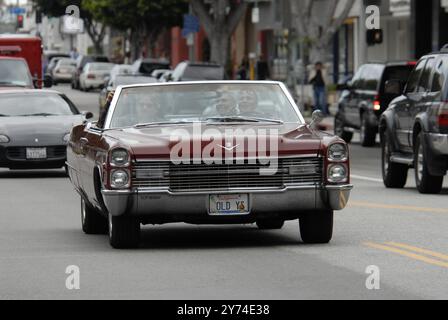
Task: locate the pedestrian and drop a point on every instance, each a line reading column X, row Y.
column 262, row 69
column 74, row 54
column 318, row 78
column 242, row 70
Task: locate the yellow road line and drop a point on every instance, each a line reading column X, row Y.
column 407, row 254
column 419, row 250
column 395, row 207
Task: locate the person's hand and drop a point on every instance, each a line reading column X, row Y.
column 110, row 97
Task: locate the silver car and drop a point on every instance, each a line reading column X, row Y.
column 35, row 128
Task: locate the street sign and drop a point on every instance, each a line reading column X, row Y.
column 17, row 10
column 191, row 25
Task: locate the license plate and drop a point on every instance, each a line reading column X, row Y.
column 36, row 153
column 229, row 204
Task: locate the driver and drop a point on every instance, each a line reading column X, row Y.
column 225, row 106
column 248, row 103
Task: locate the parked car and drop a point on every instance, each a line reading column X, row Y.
column 127, row 171
column 49, row 55
column 14, row 72
column 63, row 71
column 121, row 69
column 147, row 66
column 81, row 61
column 414, row 130
column 93, row 75
column 197, row 71
column 121, row 80
column 364, row 99
column 35, row 127
column 166, row 76
column 158, row 73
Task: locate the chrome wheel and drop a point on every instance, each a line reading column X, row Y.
column 420, row 163
column 83, row 211
column 386, row 157
column 110, row 225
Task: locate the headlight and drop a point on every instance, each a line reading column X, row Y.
column 337, row 173
column 337, row 152
column 66, row 138
column 119, row 157
column 119, row 179
column 4, row 139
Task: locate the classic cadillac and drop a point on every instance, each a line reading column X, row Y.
column 227, row 152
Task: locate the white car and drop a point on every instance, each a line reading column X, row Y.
column 94, row 74
column 63, row 71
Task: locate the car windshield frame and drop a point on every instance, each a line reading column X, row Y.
column 289, row 98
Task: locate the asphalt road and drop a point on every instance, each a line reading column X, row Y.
column 402, row 233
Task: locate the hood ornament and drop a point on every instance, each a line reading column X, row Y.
column 229, row 146
column 36, row 140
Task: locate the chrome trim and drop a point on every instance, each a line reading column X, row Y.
column 145, row 203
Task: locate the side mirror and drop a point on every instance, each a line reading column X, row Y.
column 394, row 87
column 48, row 81
column 317, row 117
column 87, row 114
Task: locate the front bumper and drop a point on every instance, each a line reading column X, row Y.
column 287, row 202
column 438, row 143
column 16, row 159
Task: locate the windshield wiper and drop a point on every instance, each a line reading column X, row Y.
column 243, row 119
column 150, row 124
column 38, row 115
column 4, row 115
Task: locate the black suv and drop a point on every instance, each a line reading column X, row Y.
column 414, row 130
column 364, row 99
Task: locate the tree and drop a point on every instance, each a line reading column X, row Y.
column 57, row 8
column 317, row 21
column 146, row 19
column 219, row 19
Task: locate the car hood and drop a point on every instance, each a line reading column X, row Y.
column 38, row 130
column 159, row 142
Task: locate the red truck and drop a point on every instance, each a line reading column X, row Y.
column 28, row 48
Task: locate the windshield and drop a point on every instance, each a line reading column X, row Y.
column 149, row 67
column 14, row 73
column 210, row 103
column 15, row 105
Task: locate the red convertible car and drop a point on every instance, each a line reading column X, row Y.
column 227, row 152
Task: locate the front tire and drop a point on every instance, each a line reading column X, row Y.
column 124, row 232
column 340, row 131
column 270, row 224
column 317, row 227
column 426, row 183
column 91, row 220
column 395, row 175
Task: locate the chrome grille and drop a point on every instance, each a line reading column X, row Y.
column 225, row 177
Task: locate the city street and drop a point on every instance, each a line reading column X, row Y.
column 401, row 232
